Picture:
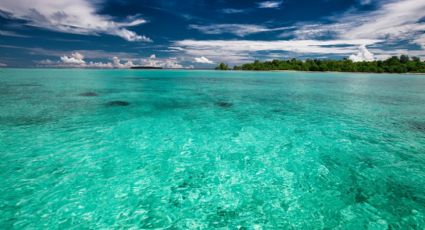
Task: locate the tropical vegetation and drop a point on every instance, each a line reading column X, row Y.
column 222, row 66
column 395, row 64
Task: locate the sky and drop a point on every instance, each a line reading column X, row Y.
column 203, row 33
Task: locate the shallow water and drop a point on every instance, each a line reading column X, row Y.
column 205, row 149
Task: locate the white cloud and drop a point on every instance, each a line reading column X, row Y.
column 269, row 4
column 362, row 55
column 117, row 63
column 3, row 65
column 203, row 60
column 74, row 59
column 70, row 16
column 153, row 56
column 237, row 29
column 130, row 35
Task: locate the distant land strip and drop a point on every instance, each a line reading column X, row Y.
column 145, row 67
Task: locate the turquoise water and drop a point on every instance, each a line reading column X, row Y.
column 203, row 149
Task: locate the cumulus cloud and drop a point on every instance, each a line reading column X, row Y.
column 117, row 63
column 75, row 59
column 237, row 29
column 362, row 55
column 70, row 16
column 203, row 60
column 269, row 4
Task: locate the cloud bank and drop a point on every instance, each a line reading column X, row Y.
column 77, row 60
column 235, row 51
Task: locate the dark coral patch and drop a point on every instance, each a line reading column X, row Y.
column 278, row 110
column 417, row 126
column 89, row 94
column 360, row 197
column 224, row 104
column 117, row 103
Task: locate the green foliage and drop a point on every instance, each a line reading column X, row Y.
column 403, row 64
column 222, row 66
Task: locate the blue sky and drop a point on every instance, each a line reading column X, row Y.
column 200, row 34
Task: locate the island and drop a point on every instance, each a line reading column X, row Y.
column 395, row 64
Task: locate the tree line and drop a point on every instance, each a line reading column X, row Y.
column 395, row 64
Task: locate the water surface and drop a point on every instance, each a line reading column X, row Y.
column 206, row 149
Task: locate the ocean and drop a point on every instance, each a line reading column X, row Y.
column 192, row 149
